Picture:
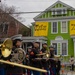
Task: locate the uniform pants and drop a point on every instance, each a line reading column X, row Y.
column 52, row 71
column 36, row 73
column 47, row 72
column 29, row 72
column 2, row 71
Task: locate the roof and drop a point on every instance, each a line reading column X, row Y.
column 50, row 7
column 11, row 18
column 34, row 38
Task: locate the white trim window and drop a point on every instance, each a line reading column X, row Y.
column 55, row 45
column 64, row 28
column 54, row 12
column 60, row 47
column 64, row 11
column 59, row 11
column 54, row 28
column 64, row 48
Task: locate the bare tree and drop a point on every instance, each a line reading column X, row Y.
column 6, row 17
column 5, row 11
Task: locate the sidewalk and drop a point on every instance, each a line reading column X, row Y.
column 68, row 73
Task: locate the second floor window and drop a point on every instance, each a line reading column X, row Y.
column 54, row 27
column 3, row 28
column 64, row 27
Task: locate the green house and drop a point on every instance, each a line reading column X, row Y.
column 58, row 17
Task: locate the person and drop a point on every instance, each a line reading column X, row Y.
column 29, row 72
column 52, row 61
column 2, row 65
column 44, row 47
column 45, row 62
column 14, row 70
column 28, row 55
column 33, row 55
column 58, row 66
column 72, row 63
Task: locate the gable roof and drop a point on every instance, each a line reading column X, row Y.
column 49, row 8
column 13, row 18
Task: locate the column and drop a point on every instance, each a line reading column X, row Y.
column 40, row 45
column 74, row 46
column 26, row 46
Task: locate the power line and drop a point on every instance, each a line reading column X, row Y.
column 32, row 12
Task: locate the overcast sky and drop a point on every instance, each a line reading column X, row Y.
column 33, row 5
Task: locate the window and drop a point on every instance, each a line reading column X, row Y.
column 54, row 27
column 60, row 47
column 59, row 12
column 55, row 47
column 3, row 28
column 64, row 27
column 53, row 12
column 64, row 11
column 64, row 48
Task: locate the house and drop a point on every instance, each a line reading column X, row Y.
column 10, row 26
column 57, row 24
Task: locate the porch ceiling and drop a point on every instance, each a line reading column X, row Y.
column 32, row 38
